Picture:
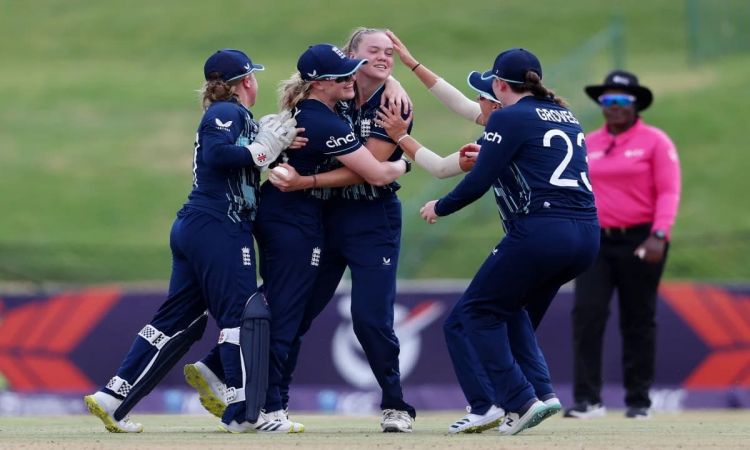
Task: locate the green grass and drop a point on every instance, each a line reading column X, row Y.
column 99, row 111
column 699, row 429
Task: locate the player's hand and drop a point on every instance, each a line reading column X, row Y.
column 428, row 212
column 468, row 156
column 403, row 52
column 391, row 120
column 394, row 94
column 651, row 250
column 299, row 141
column 287, row 179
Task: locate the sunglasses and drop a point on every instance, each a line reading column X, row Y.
column 616, row 99
column 344, row 79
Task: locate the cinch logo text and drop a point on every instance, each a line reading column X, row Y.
column 492, row 137
column 334, row 142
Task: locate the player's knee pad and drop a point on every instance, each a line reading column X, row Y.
column 255, row 343
column 254, row 340
column 169, row 350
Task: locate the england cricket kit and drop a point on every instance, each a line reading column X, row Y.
column 533, row 157
column 289, row 229
column 363, row 231
column 213, row 262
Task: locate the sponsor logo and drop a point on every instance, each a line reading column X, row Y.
column 230, row 394
column 247, row 66
column 494, row 251
column 364, row 128
column 337, row 51
column 312, row 74
column 620, row 80
column 349, row 358
column 247, row 257
column 315, row 258
column 386, row 261
column 492, row 137
column 334, row 142
column 223, row 125
column 634, row 153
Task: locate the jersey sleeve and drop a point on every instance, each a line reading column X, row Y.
column 337, row 137
column 500, row 142
column 667, row 179
column 220, row 128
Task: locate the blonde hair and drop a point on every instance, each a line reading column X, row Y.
column 217, row 90
column 352, row 44
column 293, row 91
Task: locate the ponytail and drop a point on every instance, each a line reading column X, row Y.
column 217, row 90
column 534, row 85
column 293, row 91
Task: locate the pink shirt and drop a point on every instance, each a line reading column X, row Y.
column 635, row 176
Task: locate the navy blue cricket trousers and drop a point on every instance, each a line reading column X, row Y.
column 536, row 257
column 289, row 230
column 210, row 270
column 366, row 237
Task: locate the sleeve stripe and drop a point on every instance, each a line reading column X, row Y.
column 354, row 146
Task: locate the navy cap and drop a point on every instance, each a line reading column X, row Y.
column 512, row 65
column 229, row 64
column 326, row 61
column 482, row 85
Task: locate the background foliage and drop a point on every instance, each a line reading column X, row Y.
column 99, row 111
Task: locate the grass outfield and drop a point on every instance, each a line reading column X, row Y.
column 709, row 428
column 99, row 112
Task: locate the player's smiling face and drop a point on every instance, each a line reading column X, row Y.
column 377, row 49
column 336, row 91
column 346, row 89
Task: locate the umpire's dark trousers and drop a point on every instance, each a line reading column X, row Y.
column 636, row 283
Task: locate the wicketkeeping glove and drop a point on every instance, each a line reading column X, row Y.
column 276, row 132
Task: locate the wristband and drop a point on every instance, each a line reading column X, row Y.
column 408, row 165
column 415, row 67
column 315, row 181
column 398, row 141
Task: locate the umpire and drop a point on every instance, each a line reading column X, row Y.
column 635, row 174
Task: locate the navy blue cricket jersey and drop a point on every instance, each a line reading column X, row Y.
column 328, row 136
column 534, row 156
column 225, row 178
column 362, row 120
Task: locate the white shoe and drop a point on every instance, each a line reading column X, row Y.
column 514, row 424
column 103, row 406
column 275, row 422
column 553, row 407
column 234, row 427
column 476, row 423
column 211, row 391
column 395, row 421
